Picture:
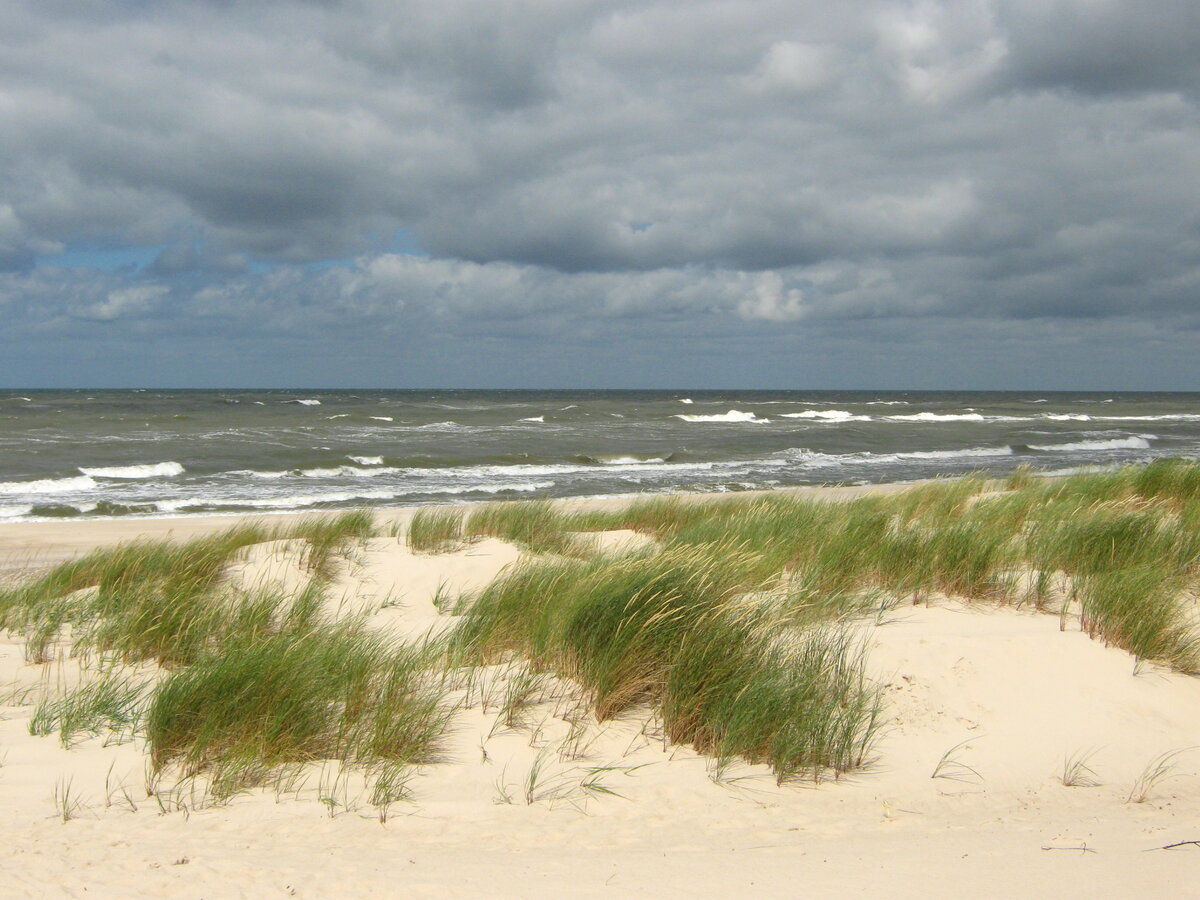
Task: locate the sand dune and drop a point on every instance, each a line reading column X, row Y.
column 964, row 796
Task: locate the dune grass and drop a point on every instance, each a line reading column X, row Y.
column 254, row 680
column 321, row 691
column 110, row 703
column 535, row 525
column 674, row 630
column 435, row 529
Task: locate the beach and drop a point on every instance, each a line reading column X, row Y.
column 1013, row 754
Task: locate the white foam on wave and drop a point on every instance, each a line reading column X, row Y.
column 366, row 460
column 941, row 417
column 499, row 488
column 349, row 472
column 629, row 460
column 827, row 415
column 1139, row 442
column 305, row 402
column 289, row 502
column 1166, row 417
column 535, row 419
column 14, row 512
column 16, row 400
column 440, row 426
column 151, row 470
column 48, row 485
column 687, row 400
column 814, row 459
column 1066, row 417
column 339, row 416
column 382, row 418
column 732, row 416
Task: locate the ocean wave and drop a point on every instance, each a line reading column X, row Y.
column 1139, row 442
column 811, row 458
column 1165, row 417
column 382, row 418
column 440, row 426
column 305, row 402
column 348, row 472
column 522, row 487
column 827, row 415
column 288, row 502
column 732, row 416
column 339, row 416
column 366, row 460
column 48, row 485
column 943, row 417
column 14, row 512
column 626, row 460
column 149, row 470
column 687, row 400
column 535, row 419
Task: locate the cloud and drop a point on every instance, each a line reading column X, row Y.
column 602, row 166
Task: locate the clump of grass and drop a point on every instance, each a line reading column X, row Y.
column 1077, row 773
column 109, row 703
column 434, row 530
column 951, row 767
column 669, row 629
column 1141, row 610
column 1158, row 770
column 1171, row 479
column 329, row 691
column 1020, row 478
column 331, row 537
column 535, row 525
column 68, row 804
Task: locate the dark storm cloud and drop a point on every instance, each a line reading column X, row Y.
column 703, row 169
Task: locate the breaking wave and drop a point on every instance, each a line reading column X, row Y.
column 732, row 416
column 150, row 470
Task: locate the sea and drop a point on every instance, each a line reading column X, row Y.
column 159, row 453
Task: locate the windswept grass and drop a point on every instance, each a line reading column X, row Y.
column 435, row 530
column 110, row 703
column 535, row 525
column 336, row 691
column 256, row 680
column 674, row 630
column 330, row 538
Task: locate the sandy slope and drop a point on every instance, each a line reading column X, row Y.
column 1019, row 692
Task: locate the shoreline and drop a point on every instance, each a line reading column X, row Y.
column 28, row 546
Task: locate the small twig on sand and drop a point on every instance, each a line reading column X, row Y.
column 1082, row 848
column 1174, row 846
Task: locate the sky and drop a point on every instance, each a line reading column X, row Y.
column 904, row 194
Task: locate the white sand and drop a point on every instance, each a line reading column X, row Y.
column 1022, row 694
